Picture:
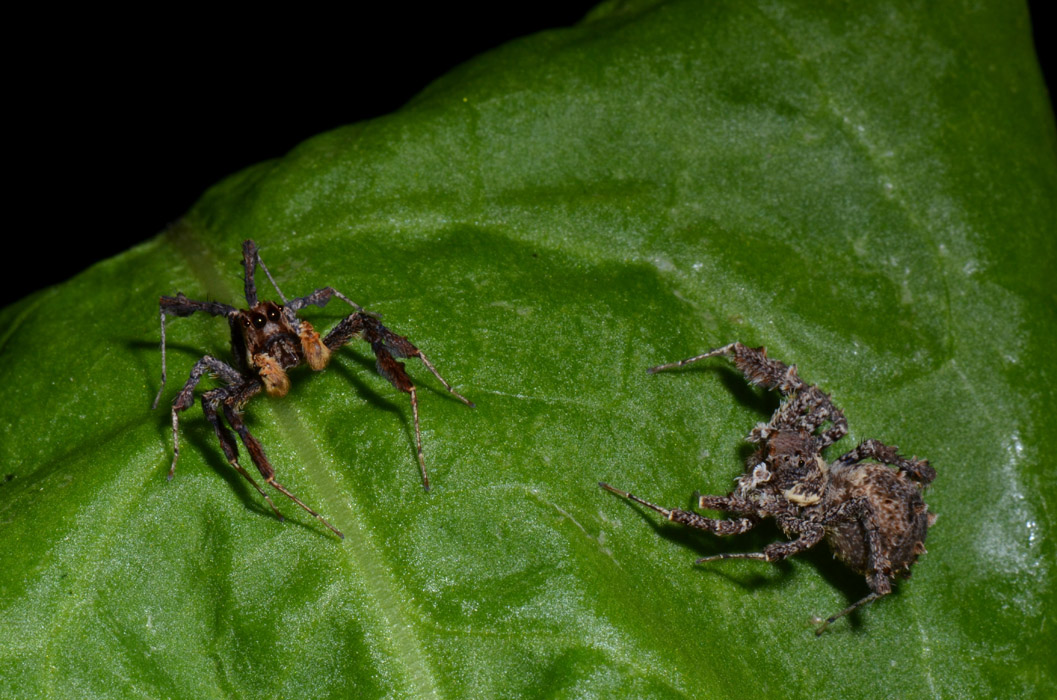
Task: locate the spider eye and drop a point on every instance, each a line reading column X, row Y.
column 273, row 315
column 258, row 321
column 245, row 322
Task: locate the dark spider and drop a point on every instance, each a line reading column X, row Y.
column 267, row 339
column 873, row 517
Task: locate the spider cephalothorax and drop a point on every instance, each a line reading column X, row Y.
column 872, row 516
column 271, row 339
column 267, row 339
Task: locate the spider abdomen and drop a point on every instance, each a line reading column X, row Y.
column 896, row 509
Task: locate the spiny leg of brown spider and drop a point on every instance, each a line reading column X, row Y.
column 387, row 346
column 431, row 368
column 691, row 519
column 380, row 337
column 321, row 297
column 753, row 363
column 632, row 497
column 251, row 257
column 210, row 401
column 253, row 446
column 810, row 535
column 185, row 399
column 180, row 305
column 394, row 371
column 917, row 469
column 823, row 624
column 275, row 484
column 418, row 439
column 879, row 579
column 242, row 470
column 726, row 349
column 807, row 407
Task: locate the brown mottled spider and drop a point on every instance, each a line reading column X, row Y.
column 267, row 339
column 873, row 517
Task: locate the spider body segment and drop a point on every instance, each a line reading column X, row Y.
column 870, row 513
column 267, row 340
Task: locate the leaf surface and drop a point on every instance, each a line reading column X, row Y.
column 868, row 192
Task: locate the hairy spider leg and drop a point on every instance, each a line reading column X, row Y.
column 387, row 346
column 823, row 624
column 917, row 469
column 180, row 305
column 320, row 298
column 251, row 257
column 253, row 446
column 237, row 390
column 691, row 519
column 237, row 393
column 210, row 401
column 811, row 533
column 186, row 398
column 807, row 407
column 372, row 331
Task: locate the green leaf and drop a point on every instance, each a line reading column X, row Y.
column 868, row 191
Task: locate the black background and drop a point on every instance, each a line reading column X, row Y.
column 118, row 124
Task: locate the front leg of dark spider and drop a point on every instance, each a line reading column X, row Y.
column 267, row 340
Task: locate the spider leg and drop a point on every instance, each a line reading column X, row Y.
column 399, row 346
column 180, row 305
column 320, row 298
column 251, row 257
column 253, row 446
column 823, row 624
column 394, row 371
column 807, row 410
column 210, row 401
column 691, row 519
column 753, row 363
column 729, row 504
column 917, row 469
column 807, row 407
column 387, row 346
column 186, row 398
column 810, row 535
